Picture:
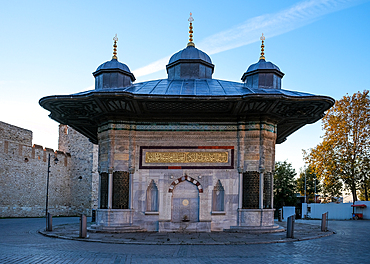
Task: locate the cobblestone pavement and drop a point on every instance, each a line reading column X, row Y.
column 20, row 242
column 302, row 232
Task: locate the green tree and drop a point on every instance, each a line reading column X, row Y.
column 332, row 188
column 345, row 147
column 364, row 196
column 365, row 181
column 284, row 185
column 308, row 181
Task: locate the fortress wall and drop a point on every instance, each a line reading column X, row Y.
column 84, row 178
column 15, row 134
column 23, row 177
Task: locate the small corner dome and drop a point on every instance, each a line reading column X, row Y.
column 113, row 64
column 190, row 53
column 113, row 74
column 262, row 64
column 263, row 75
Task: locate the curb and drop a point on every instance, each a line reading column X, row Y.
column 44, row 233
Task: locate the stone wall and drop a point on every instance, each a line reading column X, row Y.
column 123, row 145
column 15, row 134
column 250, row 146
column 84, row 177
column 23, row 175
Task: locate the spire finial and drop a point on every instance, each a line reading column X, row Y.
column 115, row 48
column 191, row 19
column 262, row 57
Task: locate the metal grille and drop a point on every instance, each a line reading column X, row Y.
column 121, row 187
column 267, row 190
column 103, row 190
column 250, row 190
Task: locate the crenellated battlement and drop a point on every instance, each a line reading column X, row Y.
column 36, row 152
column 16, row 142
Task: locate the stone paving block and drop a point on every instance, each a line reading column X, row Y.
column 20, row 243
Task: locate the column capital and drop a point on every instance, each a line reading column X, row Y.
column 131, row 170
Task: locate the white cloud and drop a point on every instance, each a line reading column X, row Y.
column 250, row 31
column 152, row 67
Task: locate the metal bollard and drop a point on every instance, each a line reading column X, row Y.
column 290, row 227
column 50, row 222
column 324, row 219
column 280, row 216
column 83, row 226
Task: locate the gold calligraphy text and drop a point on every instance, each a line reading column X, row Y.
column 186, row 157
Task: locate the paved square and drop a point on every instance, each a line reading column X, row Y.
column 21, row 243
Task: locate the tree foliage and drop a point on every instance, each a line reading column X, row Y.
column 284, row 185
column 307, row 178
column 365, row 181
column 345, row 148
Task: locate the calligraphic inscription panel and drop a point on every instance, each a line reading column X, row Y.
column 186, row 157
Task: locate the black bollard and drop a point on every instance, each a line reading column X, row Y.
column 83, row 226
column 50, row 222
column 290, row 227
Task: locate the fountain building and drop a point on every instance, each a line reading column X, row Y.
column 188, row 152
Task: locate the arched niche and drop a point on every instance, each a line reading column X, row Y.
column 218, row 194
column 185, row 202
column 152, row 197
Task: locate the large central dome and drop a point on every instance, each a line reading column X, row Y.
column 190, row 53
column 190, row 63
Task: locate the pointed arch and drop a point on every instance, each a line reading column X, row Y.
column 218, row 194
column 186, row 178
column 152, row 197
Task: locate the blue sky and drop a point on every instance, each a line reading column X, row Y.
column 52, row 47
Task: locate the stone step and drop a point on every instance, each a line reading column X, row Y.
column 116, row 229
column 255, row 229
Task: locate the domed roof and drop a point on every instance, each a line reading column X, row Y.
column 190, row 53
column 262, row 64
column 113, row 64
column 190, row 63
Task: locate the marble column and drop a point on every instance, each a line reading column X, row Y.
column 110, row 188
column 261, row 188
column 240, row 196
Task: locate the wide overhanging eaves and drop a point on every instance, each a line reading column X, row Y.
column 85, row 111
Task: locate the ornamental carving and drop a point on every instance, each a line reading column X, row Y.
column 186, row 157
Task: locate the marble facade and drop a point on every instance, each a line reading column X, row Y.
column 185, row 189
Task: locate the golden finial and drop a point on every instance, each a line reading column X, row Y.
column 191, row 19
column 115, row 48
column 262, row 57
